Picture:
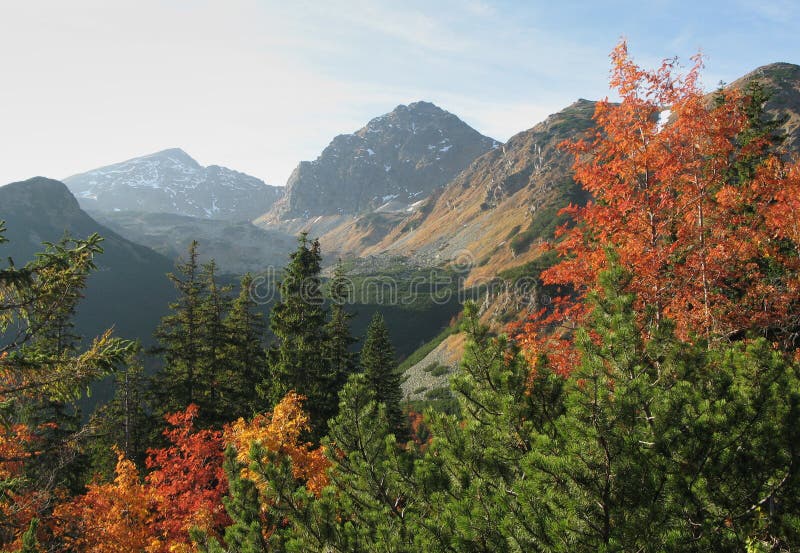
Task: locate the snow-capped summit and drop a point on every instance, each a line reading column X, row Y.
column 170, row 181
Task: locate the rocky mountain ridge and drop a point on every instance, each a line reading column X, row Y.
column 394, row 161
column 171, row 181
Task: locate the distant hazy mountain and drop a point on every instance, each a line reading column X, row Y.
column 395, row 160
column 129, row 291
column 171, row 181
column 236, row 246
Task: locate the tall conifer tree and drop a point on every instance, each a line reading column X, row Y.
column 182, row 336
column 245, row 355
column 213, row 366
column 380, row 368
column 126, row 421
column 297, row 320
column 338, row 339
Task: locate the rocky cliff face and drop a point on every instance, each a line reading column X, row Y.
column 171, row 181
column 394, row 161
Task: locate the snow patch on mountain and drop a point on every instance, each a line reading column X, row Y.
column 171, row 181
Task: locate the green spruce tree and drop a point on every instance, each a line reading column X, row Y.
column 369, row 505
column 245, row 355
column 125, row 422
column 338, row 339
column 216, row 408
column 44, row 372
column 242, row 504
column 53, row 337
column 380, row 367
column 296, row 360
column 182, row 339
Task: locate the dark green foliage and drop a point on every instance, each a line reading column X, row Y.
column 204, row 543
column 125, row 422
column 441, row 370
column 45, row 371
column 338, row 339
column 51, row 337
column 46, row 340
column 438, row 393
column 483, row 449
column 212, row 365
column 212, row 347
column 435, row 369
column 244, row 354
column 242, row 505
column 296, row 360
column 369, row 506
column 761, row 135
column 181, row 336
column 668, row 446
column 652, row 444
column 383, row 378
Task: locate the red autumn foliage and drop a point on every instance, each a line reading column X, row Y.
column 18, row 504
column 187, row 479
column 711, row 250
column 183, row 489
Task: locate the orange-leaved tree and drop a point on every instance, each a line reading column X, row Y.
column 692, row 203
column 187, row 481
column 257, row 451
column 110, row 517
column 280, row 432
column 182, row 491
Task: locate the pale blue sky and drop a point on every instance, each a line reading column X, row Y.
column 260, row 85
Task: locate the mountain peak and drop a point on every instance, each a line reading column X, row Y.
column 779, row 69
column 422, row 106
column 173, row 152
column 175, row 156
column 171, row 181
column 399, row 157
column 779, row 75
